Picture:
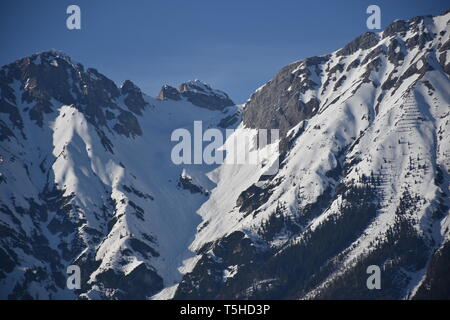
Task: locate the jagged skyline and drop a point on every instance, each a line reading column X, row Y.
column 236, row 46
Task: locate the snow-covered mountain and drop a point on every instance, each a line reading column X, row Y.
column 363, row 180
column 87, row 179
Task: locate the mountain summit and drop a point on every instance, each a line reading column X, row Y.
column 386, row 60
column 198, row 93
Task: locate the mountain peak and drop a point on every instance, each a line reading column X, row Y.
column 51, row 57
column 51, row 79
column 195, row 84
column 302, row 89
column 198, row 93
column 129, row 86
column 134, row 98
column 365, row 41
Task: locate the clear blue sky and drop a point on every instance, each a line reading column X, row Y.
column 235, row 45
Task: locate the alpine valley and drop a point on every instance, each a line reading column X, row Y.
column 86, row 179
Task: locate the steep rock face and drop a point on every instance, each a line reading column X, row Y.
column 134, row 99
column 279, row 104
column 198, row 93
column 436, row 284
column 304, row 88
column 363, row 178
column 363, row 42
column 168, row 92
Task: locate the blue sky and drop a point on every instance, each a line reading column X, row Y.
column 235, row 45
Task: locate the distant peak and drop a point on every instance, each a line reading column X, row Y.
column 52, row 54
column 446, row 12
column 365, row 41
column 197, row 82
column 199, row 86
column 134, row 98
column 198, row 93
column 129, row 86
column 168, row 93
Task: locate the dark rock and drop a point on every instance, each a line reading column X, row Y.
column 142, row 248
column 14, row 115
column 395, row 27
column 413, row 69
column 395, row 54
column 339, row 83
column 442, row 60
column 53, row 75
column 197, row 93
column 354, row 64
column 390, row 83
column 277, row 105
column 373, row 65
column 436, row 284
column 252, row 198
column 8, row 260
column 206, row 279
column 131, row 189
column 134, row 99
column 5, row 132
column 419, row 39
column 140, row 283
column 445, row 46
column 202, row 95
column 128, row 125
column 185, row 182
column 169, row 93
column 375, row 53
column 363, row 42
